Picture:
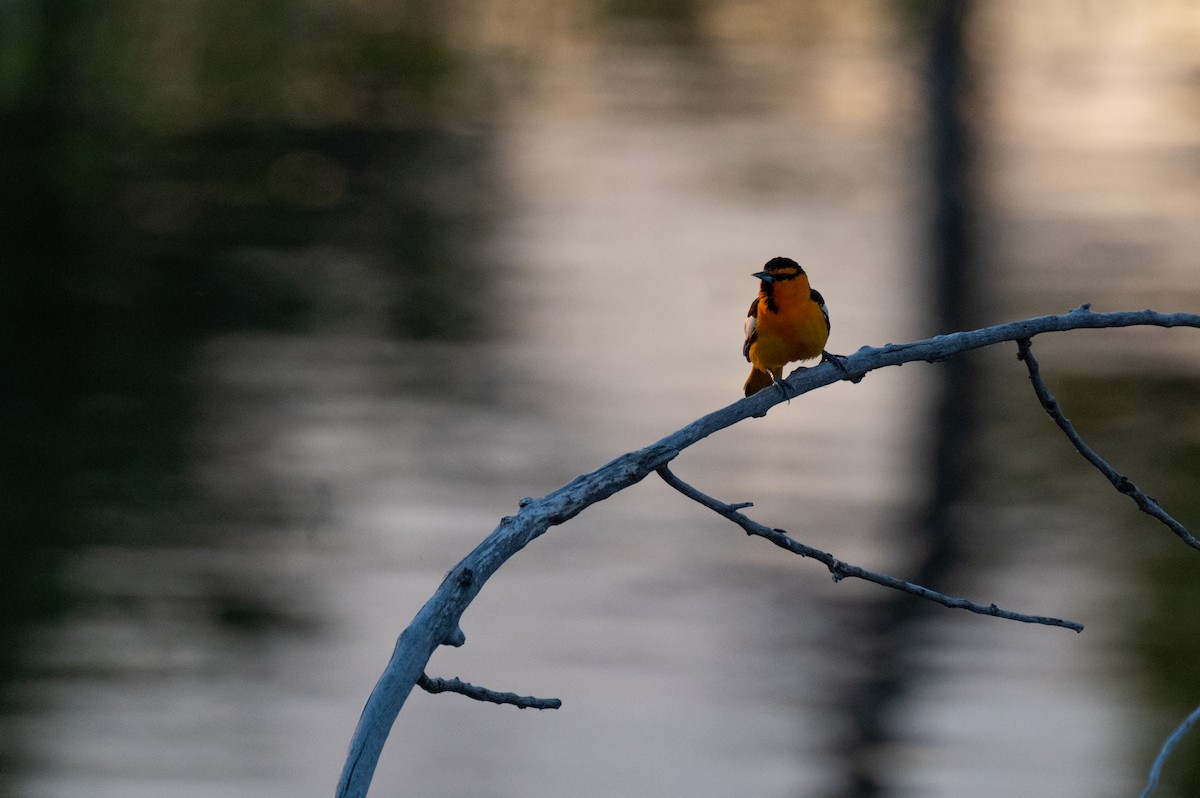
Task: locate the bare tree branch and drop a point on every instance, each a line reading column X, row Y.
column 437, row 622
column 841, row 570
column 1168, row 746
column 434, row 684
column 1121, row 483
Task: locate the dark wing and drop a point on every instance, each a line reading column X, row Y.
column 751, row 328
column 815, row 296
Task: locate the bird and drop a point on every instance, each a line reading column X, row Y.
column 787, row 321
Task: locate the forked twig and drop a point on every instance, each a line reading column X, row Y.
column 840, row 569
column 1120, row 482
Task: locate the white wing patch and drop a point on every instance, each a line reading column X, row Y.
column 750, row 326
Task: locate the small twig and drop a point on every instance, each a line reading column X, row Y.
column 1121, row 483
column 1168, row 746
column 841, row 570
column 434, row 684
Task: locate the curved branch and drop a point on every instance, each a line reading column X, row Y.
column 841, row 570
column 1122, row 483
column 1167, row 747
column 438, row 620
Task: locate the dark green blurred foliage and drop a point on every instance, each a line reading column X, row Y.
column 172, row 170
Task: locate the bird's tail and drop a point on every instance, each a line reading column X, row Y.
column 757, row 381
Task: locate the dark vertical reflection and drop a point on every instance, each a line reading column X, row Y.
column 151, row 199
column 39, row 365
column 90, row 421
column 892, row 620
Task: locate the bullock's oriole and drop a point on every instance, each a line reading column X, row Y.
column 787, row 321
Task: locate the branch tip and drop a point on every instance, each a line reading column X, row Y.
column 434, row 685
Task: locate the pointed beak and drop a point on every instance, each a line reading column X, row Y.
column 764, row 276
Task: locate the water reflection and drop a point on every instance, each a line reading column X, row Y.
column 164, row 190
column 287, row 419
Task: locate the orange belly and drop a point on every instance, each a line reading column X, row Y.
column 787, row 336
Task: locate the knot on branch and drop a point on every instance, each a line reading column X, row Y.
column 837, row 569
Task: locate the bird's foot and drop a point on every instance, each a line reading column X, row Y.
column 783, row 386
column 836, row 360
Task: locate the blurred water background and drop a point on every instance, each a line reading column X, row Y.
column 298, row 298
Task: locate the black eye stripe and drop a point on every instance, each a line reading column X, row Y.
column 783, row 269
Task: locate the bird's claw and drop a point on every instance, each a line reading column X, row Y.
column 836, row 360
column 783, row 387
